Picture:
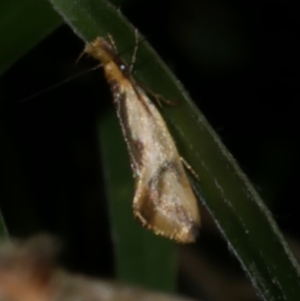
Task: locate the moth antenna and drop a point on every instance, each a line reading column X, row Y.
column 79, row 57
column 56, row 85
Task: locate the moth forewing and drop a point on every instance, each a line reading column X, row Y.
column 164, row 200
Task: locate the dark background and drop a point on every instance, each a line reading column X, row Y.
column 239, row 62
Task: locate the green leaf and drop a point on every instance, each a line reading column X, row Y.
column 23, row 23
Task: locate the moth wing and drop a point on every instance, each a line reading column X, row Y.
column 165, row 203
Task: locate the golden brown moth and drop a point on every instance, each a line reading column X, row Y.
column 164, row 200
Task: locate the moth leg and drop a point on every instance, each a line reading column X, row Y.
column 158, row 97
column 190, row 169
column 136, row 46
column 112, row 42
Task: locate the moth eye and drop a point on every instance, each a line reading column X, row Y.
column 122, row 67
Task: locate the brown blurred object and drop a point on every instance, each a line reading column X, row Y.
column 28, row 273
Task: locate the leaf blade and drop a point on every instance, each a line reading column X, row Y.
column 22, row 25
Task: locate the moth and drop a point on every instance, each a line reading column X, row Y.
column 164, row 200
